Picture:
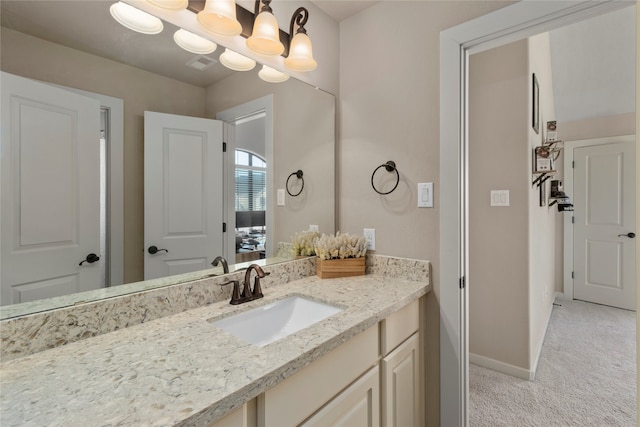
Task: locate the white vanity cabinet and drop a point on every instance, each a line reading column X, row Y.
column 373, row 379
column 298, row 397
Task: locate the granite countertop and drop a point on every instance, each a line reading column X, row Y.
column 181, row 370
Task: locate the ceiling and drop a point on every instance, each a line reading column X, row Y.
column 594, row 66
column 340, row 10
column 593, row 61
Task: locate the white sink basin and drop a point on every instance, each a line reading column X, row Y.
column 268, row 323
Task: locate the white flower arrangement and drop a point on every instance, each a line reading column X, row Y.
column 340, row 246
column 304, row 243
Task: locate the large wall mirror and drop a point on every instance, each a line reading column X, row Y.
column 77, row 46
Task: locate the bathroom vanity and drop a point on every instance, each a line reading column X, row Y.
column 362, row 365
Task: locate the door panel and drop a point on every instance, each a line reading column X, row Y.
column 604, row 259
column 183, row 193
column 50, row 220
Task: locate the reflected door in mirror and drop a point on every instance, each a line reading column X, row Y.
column 50, row 191
column 183, row 193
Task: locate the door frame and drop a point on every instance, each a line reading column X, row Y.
column 569, row 147
column 230, row 116
column 515, row 22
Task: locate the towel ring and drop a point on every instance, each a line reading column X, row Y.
column 390, row 166
column 297, row 174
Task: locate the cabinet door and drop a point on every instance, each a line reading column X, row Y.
column 401, row 385
column 357, row 405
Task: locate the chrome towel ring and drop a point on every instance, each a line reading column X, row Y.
column 297, row 174
column 390, row 166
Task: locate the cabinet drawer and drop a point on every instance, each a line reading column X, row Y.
column 296, row 398
column 398, row 327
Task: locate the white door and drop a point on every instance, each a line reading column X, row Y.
column 604, row 224
column 50, row 212
column 183, row 189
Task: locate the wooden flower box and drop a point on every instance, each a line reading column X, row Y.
column 332, row 268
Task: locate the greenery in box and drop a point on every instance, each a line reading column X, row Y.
column 340, row 246
column 304, row 243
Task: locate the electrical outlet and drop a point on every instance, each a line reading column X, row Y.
column 370, row 235
column 313, row 227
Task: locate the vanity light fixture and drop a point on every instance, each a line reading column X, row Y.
column 265, row 37
column 170, row 4
column 300, row 57
column 135, row 19
column 219, row 16
column 235, row 61
column 271, row 75
column 193, row 43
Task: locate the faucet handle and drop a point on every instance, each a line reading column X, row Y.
column 235, row 295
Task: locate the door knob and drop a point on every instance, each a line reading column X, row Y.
column 629, row 235
column 91, row 258
column 154, row 250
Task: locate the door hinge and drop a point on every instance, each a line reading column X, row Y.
column 462, row 282
column 224, row 227
column 572, row 275
column 224, row 147
column 573, row 164
column 573, row 220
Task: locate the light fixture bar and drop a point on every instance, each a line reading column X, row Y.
column 245, row 18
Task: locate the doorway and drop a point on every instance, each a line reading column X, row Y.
column 251, row 121
column 512, row 23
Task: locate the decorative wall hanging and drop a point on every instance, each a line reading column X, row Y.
column 535, row 107
column 390, row 166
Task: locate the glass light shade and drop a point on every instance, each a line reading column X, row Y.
column 170, row 4
column 219, row 16
column 300, row 54
column 265, row 38
column 270, row 75
column 135, row 19
column 193, row 43
column 236, row 62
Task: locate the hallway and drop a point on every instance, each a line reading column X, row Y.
column 586, row 375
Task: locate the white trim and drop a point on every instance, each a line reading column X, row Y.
column 116, row 180
column 517, row 21
column 536, row 360
column 569, row 147
column 231, row 115
column 505, row 368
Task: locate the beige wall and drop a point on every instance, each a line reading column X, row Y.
column 498, row 236
column 513, row 251
column 304, row 138
column 598, row 127
column 140, row 90
column 389, row 110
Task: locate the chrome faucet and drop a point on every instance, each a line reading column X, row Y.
column 247, row 294
column 225, row 265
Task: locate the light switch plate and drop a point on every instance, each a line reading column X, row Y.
column 314, row 227
column 425, row 194
column 499, row 197
column 370, row 235
column 280, row 201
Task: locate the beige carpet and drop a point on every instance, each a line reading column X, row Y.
column 586, row 375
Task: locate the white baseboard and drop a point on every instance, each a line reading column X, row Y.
column 544, row 338
column 560, row 295
column 503, row 367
